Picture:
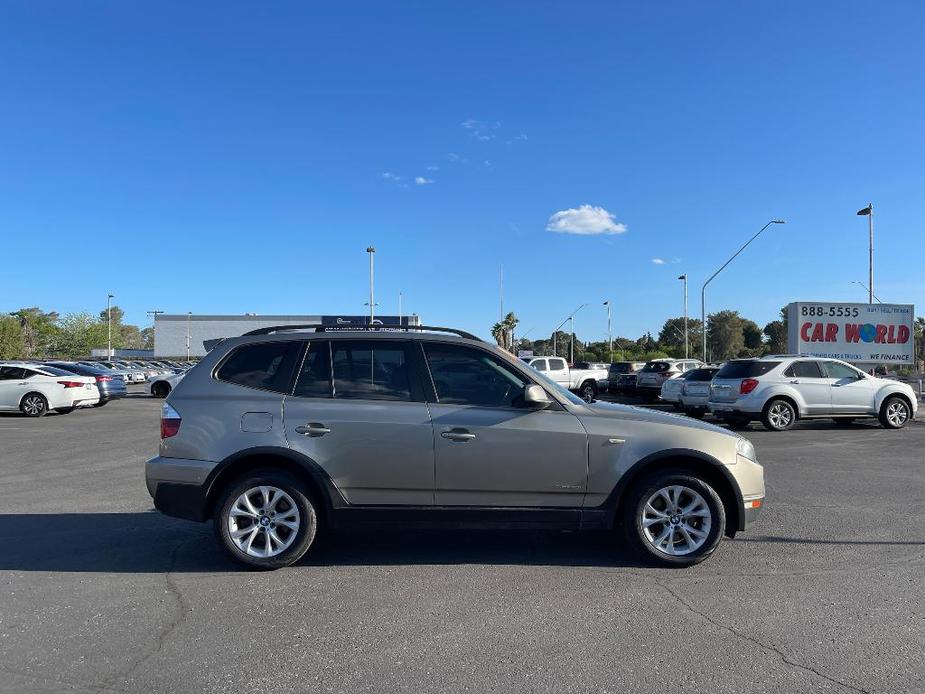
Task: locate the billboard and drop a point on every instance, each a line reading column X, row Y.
column 863, row 333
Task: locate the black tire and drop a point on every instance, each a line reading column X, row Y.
column 895, row 412
column 633, row 517
column 33, row 405
column 65, row 410
column 779, row 415
column 100, row 403
column 160, row 389
column 296, row 490
column 695, row 412
column 588, row 391
column 843, row 421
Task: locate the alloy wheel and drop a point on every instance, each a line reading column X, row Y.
column 676, row 520
column 33, row 405
column 263, row 521
column 897, row 413
column 780, row 415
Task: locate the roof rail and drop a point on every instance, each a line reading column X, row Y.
column 319, row 328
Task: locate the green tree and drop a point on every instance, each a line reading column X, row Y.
column 147, row 338
column 40, row 331
column 671, row 336
column 725, row 335
column 80, row 332
column 751, row 334
column 12, row 344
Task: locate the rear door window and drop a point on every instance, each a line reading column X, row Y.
column 314, row 379
column 539, row 364
column 265, row 365
column 556, row 364
column 804, row 369
column 371, row 370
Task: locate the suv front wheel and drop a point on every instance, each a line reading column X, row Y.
column 266, row 519
column 674, row 518
column 894, row 413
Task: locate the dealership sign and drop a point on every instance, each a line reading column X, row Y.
column 866, row 333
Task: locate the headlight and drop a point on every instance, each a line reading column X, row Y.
column 745, row 449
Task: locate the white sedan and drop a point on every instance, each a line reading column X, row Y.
column 34, row 390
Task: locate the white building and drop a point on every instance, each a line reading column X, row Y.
column 179, row 334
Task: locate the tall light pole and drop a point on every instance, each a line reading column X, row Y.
column 109, row 298
column 703, row 290
column 609, row 333
column 869, row 213
column 571, row 357
column 687, row 352
column 189, row 317
column 372, row 298
column 399, row 309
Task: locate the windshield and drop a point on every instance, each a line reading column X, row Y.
column 700, row 375
column 656, row 367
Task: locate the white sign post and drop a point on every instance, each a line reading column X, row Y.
column 859, row 333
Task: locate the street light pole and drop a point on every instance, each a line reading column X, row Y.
column 399, row 309
column 109, row 298
column 555, row 337
column 687, row 353
column 189, row 316
column 703, row 290
column 609, row 332
column 372, row 300
column 867, row 289
column 869, row 213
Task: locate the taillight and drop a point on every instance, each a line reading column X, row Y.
column 103, row 379
column 72, row 384
column 170, row 421
column 748, row 385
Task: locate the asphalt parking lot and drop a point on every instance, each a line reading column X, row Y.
column 102, row 594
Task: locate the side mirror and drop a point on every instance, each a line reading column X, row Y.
column 535, row 396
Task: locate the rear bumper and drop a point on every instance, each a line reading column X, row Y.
column 179, row 486
column 731, row 409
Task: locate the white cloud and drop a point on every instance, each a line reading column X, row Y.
column 658, row 261
column 432, row 167
column 585, row 220
column 480, row 130
column 662, row 261
column 389, row 176
column 421, row 181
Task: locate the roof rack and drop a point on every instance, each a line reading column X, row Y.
column 319, row 328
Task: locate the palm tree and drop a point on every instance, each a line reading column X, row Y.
column 498, row 332
column 510, row 322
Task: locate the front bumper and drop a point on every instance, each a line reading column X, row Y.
column 751, row 512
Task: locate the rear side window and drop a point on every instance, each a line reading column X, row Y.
column 11, row 373
column 266, row 365
column 370, row 370
column 747, row 368
column 804, row 369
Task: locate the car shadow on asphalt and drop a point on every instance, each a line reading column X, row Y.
column 152, row 543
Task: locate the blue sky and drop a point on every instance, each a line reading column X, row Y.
column 238, row 156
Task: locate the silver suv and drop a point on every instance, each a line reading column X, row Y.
column 282, row 433
column 780, row 389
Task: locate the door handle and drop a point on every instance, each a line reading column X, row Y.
column 794, row 381
column 457, row 435
column 312, row 429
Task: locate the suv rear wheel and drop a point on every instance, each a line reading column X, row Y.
column 266, row 519
column 779, row 415
column 674, row 518
column 894, row 412
column 588, row 391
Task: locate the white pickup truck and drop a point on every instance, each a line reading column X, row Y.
column 586, row 382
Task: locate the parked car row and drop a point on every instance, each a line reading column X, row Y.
column 584, row 378
column 35, row 388
column 778, row 390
